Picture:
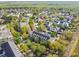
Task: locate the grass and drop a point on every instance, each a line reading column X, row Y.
column 8, row 5
column 75, row 51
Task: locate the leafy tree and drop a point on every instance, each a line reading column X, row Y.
column 14, row 18
column 24, row 48
column 53, row 33
column 28, row 42
column 45, row 43
column 33, row 47
column 24, row 29
column 32, row 17
column 23, row 19
column 57, row 47
column 40, row 50
column 17, row 40
column 52, row 55
column 8, row 18
column 15, row 33
column 25, row 36
column 31, row 23
column 68, row 35
column 16, row 25
column 41, row 28
column 62, row 41
column 61, row 18
column 36, row 40
column 10, row 26
column 49, row 55
column 40, row 23
column 35, row 11
column 1, row 21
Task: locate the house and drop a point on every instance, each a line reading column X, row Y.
column 23, row 24
column 64, row 13
column 36, row 19
column 65, row 24
column 11, row 49
column 29, row 14
column 36, row 25
column 48, row 23
column 40, row 36
column 55, row 29
column 5, row 34
column 60, row 31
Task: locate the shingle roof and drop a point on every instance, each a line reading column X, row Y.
column 41, row 34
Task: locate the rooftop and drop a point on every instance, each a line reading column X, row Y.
column 11, row 49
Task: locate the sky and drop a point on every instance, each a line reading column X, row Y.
column 39, row 0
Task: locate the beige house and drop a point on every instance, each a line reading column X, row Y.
column 5, row 34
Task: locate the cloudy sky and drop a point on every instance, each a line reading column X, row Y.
column 39, row 0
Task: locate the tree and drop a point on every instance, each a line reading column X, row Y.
column 32, row 17
column 23, row 19
column 52, row 55
column 14, row 18
column 10, row 26
column 24, row 48
column 33, row 48
column 61, row 18
column 8, row 18
column 17, row 40
column 24, row 29
column 36, row 40
column 40, row 23
column 49, row 55
column 16, row 25
column 41, row 28
column 53, row 33
column 14, row 33
column 68, row 35
column 57, row 47
column 29, row 43
column 40, row 50
column 35, row 11
column 25, row 36
column 31, row 23
column 62, row 41
column 1, row 21
column 45, row 43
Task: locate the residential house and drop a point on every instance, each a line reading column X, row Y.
column 41, row 36
column 23, row 24
column 5, row 34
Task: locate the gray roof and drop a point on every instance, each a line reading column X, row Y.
column 48, row 37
